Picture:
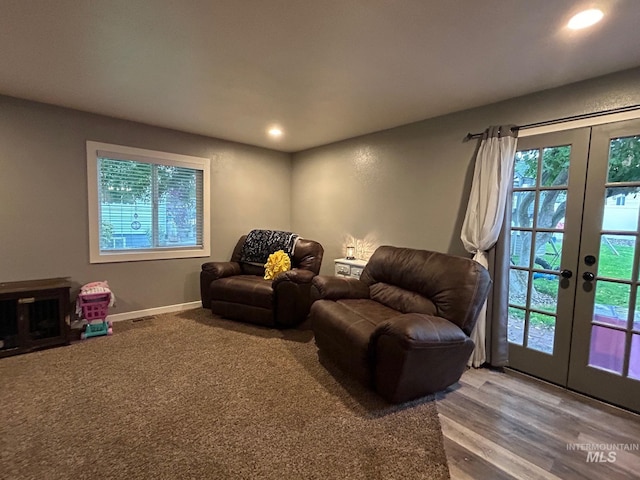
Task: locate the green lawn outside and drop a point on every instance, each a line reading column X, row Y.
column 615, row 261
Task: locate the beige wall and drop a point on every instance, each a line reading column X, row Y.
column 409, row 186
column 43, row 200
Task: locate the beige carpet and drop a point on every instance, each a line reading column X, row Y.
column 189, row 396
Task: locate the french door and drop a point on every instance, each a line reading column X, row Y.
column 574, row 306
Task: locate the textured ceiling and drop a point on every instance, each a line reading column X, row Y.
column 323, row 70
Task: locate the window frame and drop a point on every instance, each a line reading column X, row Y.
column 121, row 152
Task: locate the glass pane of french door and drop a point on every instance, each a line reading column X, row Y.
column 605, row 361
column 546, row 213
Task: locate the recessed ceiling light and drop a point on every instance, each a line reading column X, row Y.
column 275, row 132
column 585, row 19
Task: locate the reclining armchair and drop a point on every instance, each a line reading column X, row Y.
column 237, row 289
column 402, row 328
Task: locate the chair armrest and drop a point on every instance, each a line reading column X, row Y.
column 291, row 296
column 416, row 330
column 212, row 271
column 296, row 275
column 221, row 269
column 328, row 287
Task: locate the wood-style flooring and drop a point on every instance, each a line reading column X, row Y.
column 505, row 425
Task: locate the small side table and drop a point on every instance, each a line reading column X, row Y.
column 349, row 268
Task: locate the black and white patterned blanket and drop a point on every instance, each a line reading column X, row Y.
column 259, row 244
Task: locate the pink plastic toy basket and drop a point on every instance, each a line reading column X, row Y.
column 94, row 305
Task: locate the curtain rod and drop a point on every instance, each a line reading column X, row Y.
column 562, row 120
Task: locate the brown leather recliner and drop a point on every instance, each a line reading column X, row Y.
column 238, row 290
column 403, row 327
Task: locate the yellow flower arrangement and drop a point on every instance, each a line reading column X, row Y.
column 276, row 263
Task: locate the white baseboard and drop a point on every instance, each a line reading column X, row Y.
column 154, row 311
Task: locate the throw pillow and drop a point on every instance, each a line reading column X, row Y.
column 276, row 263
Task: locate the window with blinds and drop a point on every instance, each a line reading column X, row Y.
column 146, row 205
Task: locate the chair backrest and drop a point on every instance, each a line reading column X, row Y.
column 420, row 281
column 307, row 255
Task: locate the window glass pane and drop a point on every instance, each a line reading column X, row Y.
column 125, row 204
column 555, row 166
column 545, row 292
column 518, row 287
column 520, row 248
column 551, row 209
column 522, row 207
column 636, row 313
column 616, row 256
column 177, row 206
column 542, row 329
column 621, row 209
column 624, row 159
column 612, row 303
column 144, row 205
column 515, row 326
column 548, row 250
column 634, row 360
column 606, row 350
column 525, row 170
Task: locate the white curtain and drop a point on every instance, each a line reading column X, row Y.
column 492, row 179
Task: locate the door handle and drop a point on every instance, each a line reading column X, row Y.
column 588, row 276
column 566, row 273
